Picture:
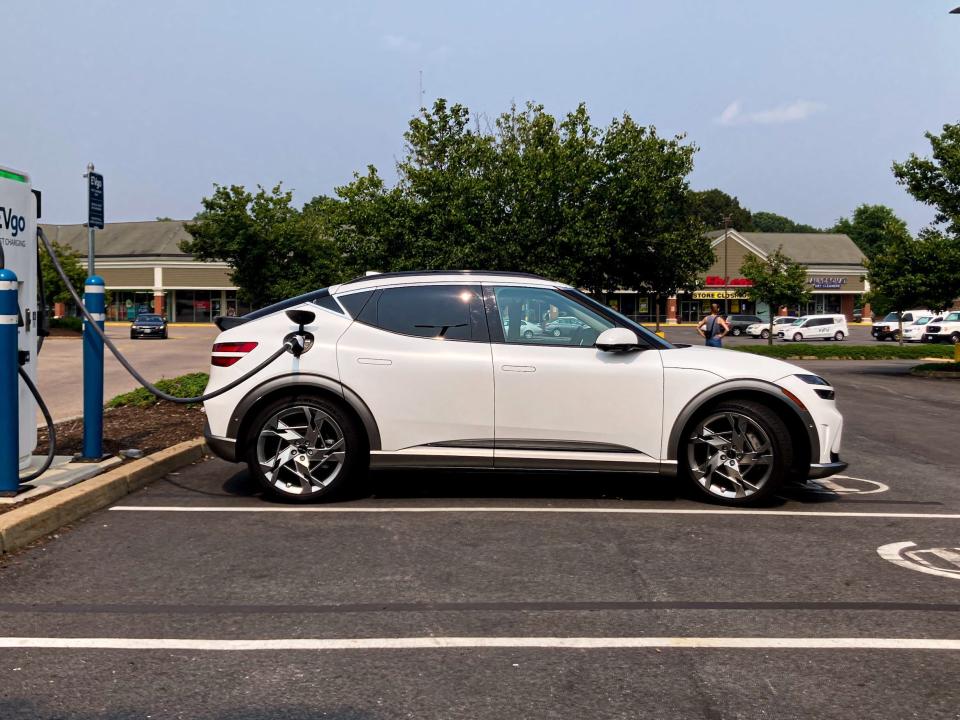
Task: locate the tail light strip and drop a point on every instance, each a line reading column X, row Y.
column 227, row 353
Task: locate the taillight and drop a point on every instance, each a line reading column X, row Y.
column 226, row 354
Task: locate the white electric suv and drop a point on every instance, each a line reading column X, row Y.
column 431, row 369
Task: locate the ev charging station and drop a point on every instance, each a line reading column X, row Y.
column 19, row 208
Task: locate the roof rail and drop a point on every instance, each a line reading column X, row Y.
column 412, row 273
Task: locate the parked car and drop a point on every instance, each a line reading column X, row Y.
column 815, row 327
column 148, row 326
column 889, row 327
column 946, row 330
column 564, row 326
column 405, row 370
column 739, row 323
column 527, row 329
column 762, row 329
column 914, row 331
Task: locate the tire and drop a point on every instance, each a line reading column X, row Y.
column 761, row 429
column 133, row 336
column 895, row 337
column 838, row 336
column 737, row 332
column 324, row 479
column 528, row 334
column 556, row 333
column 797, row 337
column 764, row 334
column 164, row 336
column 955, row 338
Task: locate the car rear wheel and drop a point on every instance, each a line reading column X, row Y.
column 528, row 334
column 838, row 336
column 797, row 337
column 737, row 332
column 955, row 338
column 305, row 448
column 765, row 334
column 556, row 333
column 738, row 452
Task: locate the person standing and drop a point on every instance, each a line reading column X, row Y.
column 713, row 327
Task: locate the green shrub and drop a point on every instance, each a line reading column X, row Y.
column 67, row 323
column 953, row 368
column 190, row 385
column 884, row 351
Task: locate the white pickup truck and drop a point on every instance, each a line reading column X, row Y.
column 889, row 327
column 946, row 330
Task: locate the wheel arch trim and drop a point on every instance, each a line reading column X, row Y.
column 305, row 381
column 733, row 387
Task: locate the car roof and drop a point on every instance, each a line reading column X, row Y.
column 444, row 276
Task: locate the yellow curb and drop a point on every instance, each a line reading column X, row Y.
column 22, row 526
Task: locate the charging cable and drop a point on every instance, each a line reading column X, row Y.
column 288, row 345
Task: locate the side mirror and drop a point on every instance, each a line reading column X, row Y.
column 301, row 317
column 617, row 340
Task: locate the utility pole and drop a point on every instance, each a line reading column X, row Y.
column 726, row 273
column 420, row 93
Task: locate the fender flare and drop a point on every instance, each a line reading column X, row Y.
column 307, row 381
column 697, row 402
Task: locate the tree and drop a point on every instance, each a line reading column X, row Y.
column 773, row 223
column 868, row 227
column 712, row 206
column 54, row 290
column 936, row 181
column 274, row 251
column 907, row 272
column 776, row 281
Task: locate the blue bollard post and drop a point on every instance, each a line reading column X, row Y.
column 94, row 300
column 9, row 386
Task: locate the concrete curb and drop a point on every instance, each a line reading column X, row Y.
column 22, row 526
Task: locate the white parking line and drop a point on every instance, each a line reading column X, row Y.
column 428, row 643
column 482, row 509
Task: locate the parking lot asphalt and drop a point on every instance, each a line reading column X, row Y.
column 503, row 595
column 61, row 364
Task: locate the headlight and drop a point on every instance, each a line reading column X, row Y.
column 813, row 379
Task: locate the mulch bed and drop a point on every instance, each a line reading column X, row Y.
column 149, row 429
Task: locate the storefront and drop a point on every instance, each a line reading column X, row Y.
column 145, row 271
column 834, row 265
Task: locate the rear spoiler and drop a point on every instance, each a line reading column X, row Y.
column 225, row 322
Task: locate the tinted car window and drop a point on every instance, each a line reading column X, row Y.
column 448, row 312
column 354, row 302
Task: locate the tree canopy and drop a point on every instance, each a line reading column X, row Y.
column 935, row 181
column 712, row 206
column 599, row 207
column 773, row 223
column 777, row 281
column 869, row 227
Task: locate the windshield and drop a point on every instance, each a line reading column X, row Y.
column 799, row 321
column 149, row 319
column 923, row 320
column 891, row 317
column 952, row 317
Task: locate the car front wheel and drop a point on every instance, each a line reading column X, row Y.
column 738, row 452
column 765, row 334
column 737, row 332
column 797, row 337
column 304, row 448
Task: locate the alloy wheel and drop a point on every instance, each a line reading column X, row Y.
column 301, row 450
column 730, row 455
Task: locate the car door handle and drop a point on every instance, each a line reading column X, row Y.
column 374, row 361
column 518, row 368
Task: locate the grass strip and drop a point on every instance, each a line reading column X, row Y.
column 190, row 385
column 841, row 350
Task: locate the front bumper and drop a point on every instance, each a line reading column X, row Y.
column 222, row 447
column 822, row 470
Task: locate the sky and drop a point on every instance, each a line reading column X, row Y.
column 797, row 108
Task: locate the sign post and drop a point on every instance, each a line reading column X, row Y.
column 93, row 301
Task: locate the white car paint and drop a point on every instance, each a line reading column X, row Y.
column 422, row 391
column 815, row 327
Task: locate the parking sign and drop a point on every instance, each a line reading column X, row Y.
column 95, row 200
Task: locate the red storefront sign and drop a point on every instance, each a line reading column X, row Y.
column 717, row 281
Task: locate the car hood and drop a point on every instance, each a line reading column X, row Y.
column 729, row 364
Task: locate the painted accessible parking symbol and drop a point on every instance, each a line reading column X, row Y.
column 846, row 485
column 940, row 561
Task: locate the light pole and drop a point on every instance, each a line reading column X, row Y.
column 726, row 273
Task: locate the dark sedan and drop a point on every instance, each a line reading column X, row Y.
column 149, row 326
column 740, row 323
